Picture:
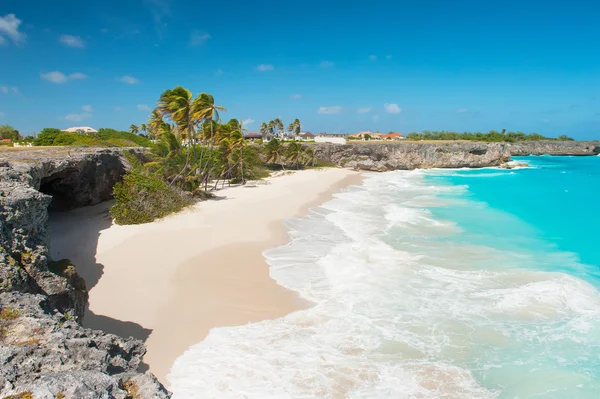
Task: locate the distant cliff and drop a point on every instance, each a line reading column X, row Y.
column 402, row 155
column 44, row 350
column 555, row 148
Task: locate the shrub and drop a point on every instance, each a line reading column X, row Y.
column 143, row 196
column 47, row 136
column 108, row 134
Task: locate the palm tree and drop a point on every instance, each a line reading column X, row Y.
column 309, row 156
column 274, row 151
column 143, row 128
column 178, row 104
column 207, row 111
column 133, row 129
column 264, row 130
column 278, row 126
column 291, row 128
column 293, row 154
column 297, row 127
column 155, row 123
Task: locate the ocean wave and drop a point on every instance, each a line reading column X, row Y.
column 402, row 308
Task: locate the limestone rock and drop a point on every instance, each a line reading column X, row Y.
column 384, row 157
column 44, row 352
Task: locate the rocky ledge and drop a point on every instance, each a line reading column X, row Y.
column 402, row 155
column 44, row 351
column 555, row 148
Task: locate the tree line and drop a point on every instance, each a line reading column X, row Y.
column 491, row 136
column 194, row 152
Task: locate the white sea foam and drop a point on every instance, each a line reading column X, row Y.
column 401, row 313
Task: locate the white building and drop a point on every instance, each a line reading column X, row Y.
column 80, row 129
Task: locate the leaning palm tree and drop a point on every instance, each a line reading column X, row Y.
column 155, row 123
column 143, row 128
column 274, row 152
column 133, row 129
column 309, row 156
column 293, row 154
column 278, row 126
column 264, row 130
column 207, row 111
column 179, row 106
column 297, row 126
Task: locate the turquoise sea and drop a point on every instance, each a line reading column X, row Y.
column 428, row 284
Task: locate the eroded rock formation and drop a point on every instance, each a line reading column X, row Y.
column 555, row 148
column 383, row 157
column 43, row 348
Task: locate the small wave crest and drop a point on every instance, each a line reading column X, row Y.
column 400, row 312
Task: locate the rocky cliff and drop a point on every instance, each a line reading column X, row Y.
column 402, row 155
column 43, row 349
column 555, row 148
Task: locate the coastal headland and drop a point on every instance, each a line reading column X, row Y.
column 167, row 282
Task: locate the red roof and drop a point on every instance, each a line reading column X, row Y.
column 391, row 135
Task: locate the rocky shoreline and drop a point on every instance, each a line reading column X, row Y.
column 44, row 350
column 383, row 157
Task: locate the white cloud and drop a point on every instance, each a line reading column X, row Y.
column 336, row 109
column 364, row 110
column 247, row 122
column 373, row 58
column 462, row 111
column 87, row 108
column 130, row 80
column 77, row 75
column 9, row 89
column 327, row 64
column 198, row 39
column 77, row 117
column 9, row 26
column 72, row 41
column 143, row 107
column 392, row 108
column 296, row 96
column 2, row 40
column 375, row 118
column 265, row 67
column 59, row 77
column 1, row 114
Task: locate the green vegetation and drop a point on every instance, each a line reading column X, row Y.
column 144, row 196
column 104, row 138
column 492, row 136
column 9, row 132
column 193, row 154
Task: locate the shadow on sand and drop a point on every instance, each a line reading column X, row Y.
column 74, row 235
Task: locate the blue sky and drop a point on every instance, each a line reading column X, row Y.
column 346, row 66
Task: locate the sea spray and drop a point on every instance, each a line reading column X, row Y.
column 420, row 290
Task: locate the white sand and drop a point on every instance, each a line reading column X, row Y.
column 172, row 281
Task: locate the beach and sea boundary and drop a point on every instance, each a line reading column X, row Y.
column 147, row 288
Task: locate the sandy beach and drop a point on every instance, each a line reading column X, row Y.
column 169, row 282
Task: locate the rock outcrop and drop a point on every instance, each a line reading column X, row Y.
column 555, row 148
column 383, row 157
column 44, row 353
column 43, row 349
